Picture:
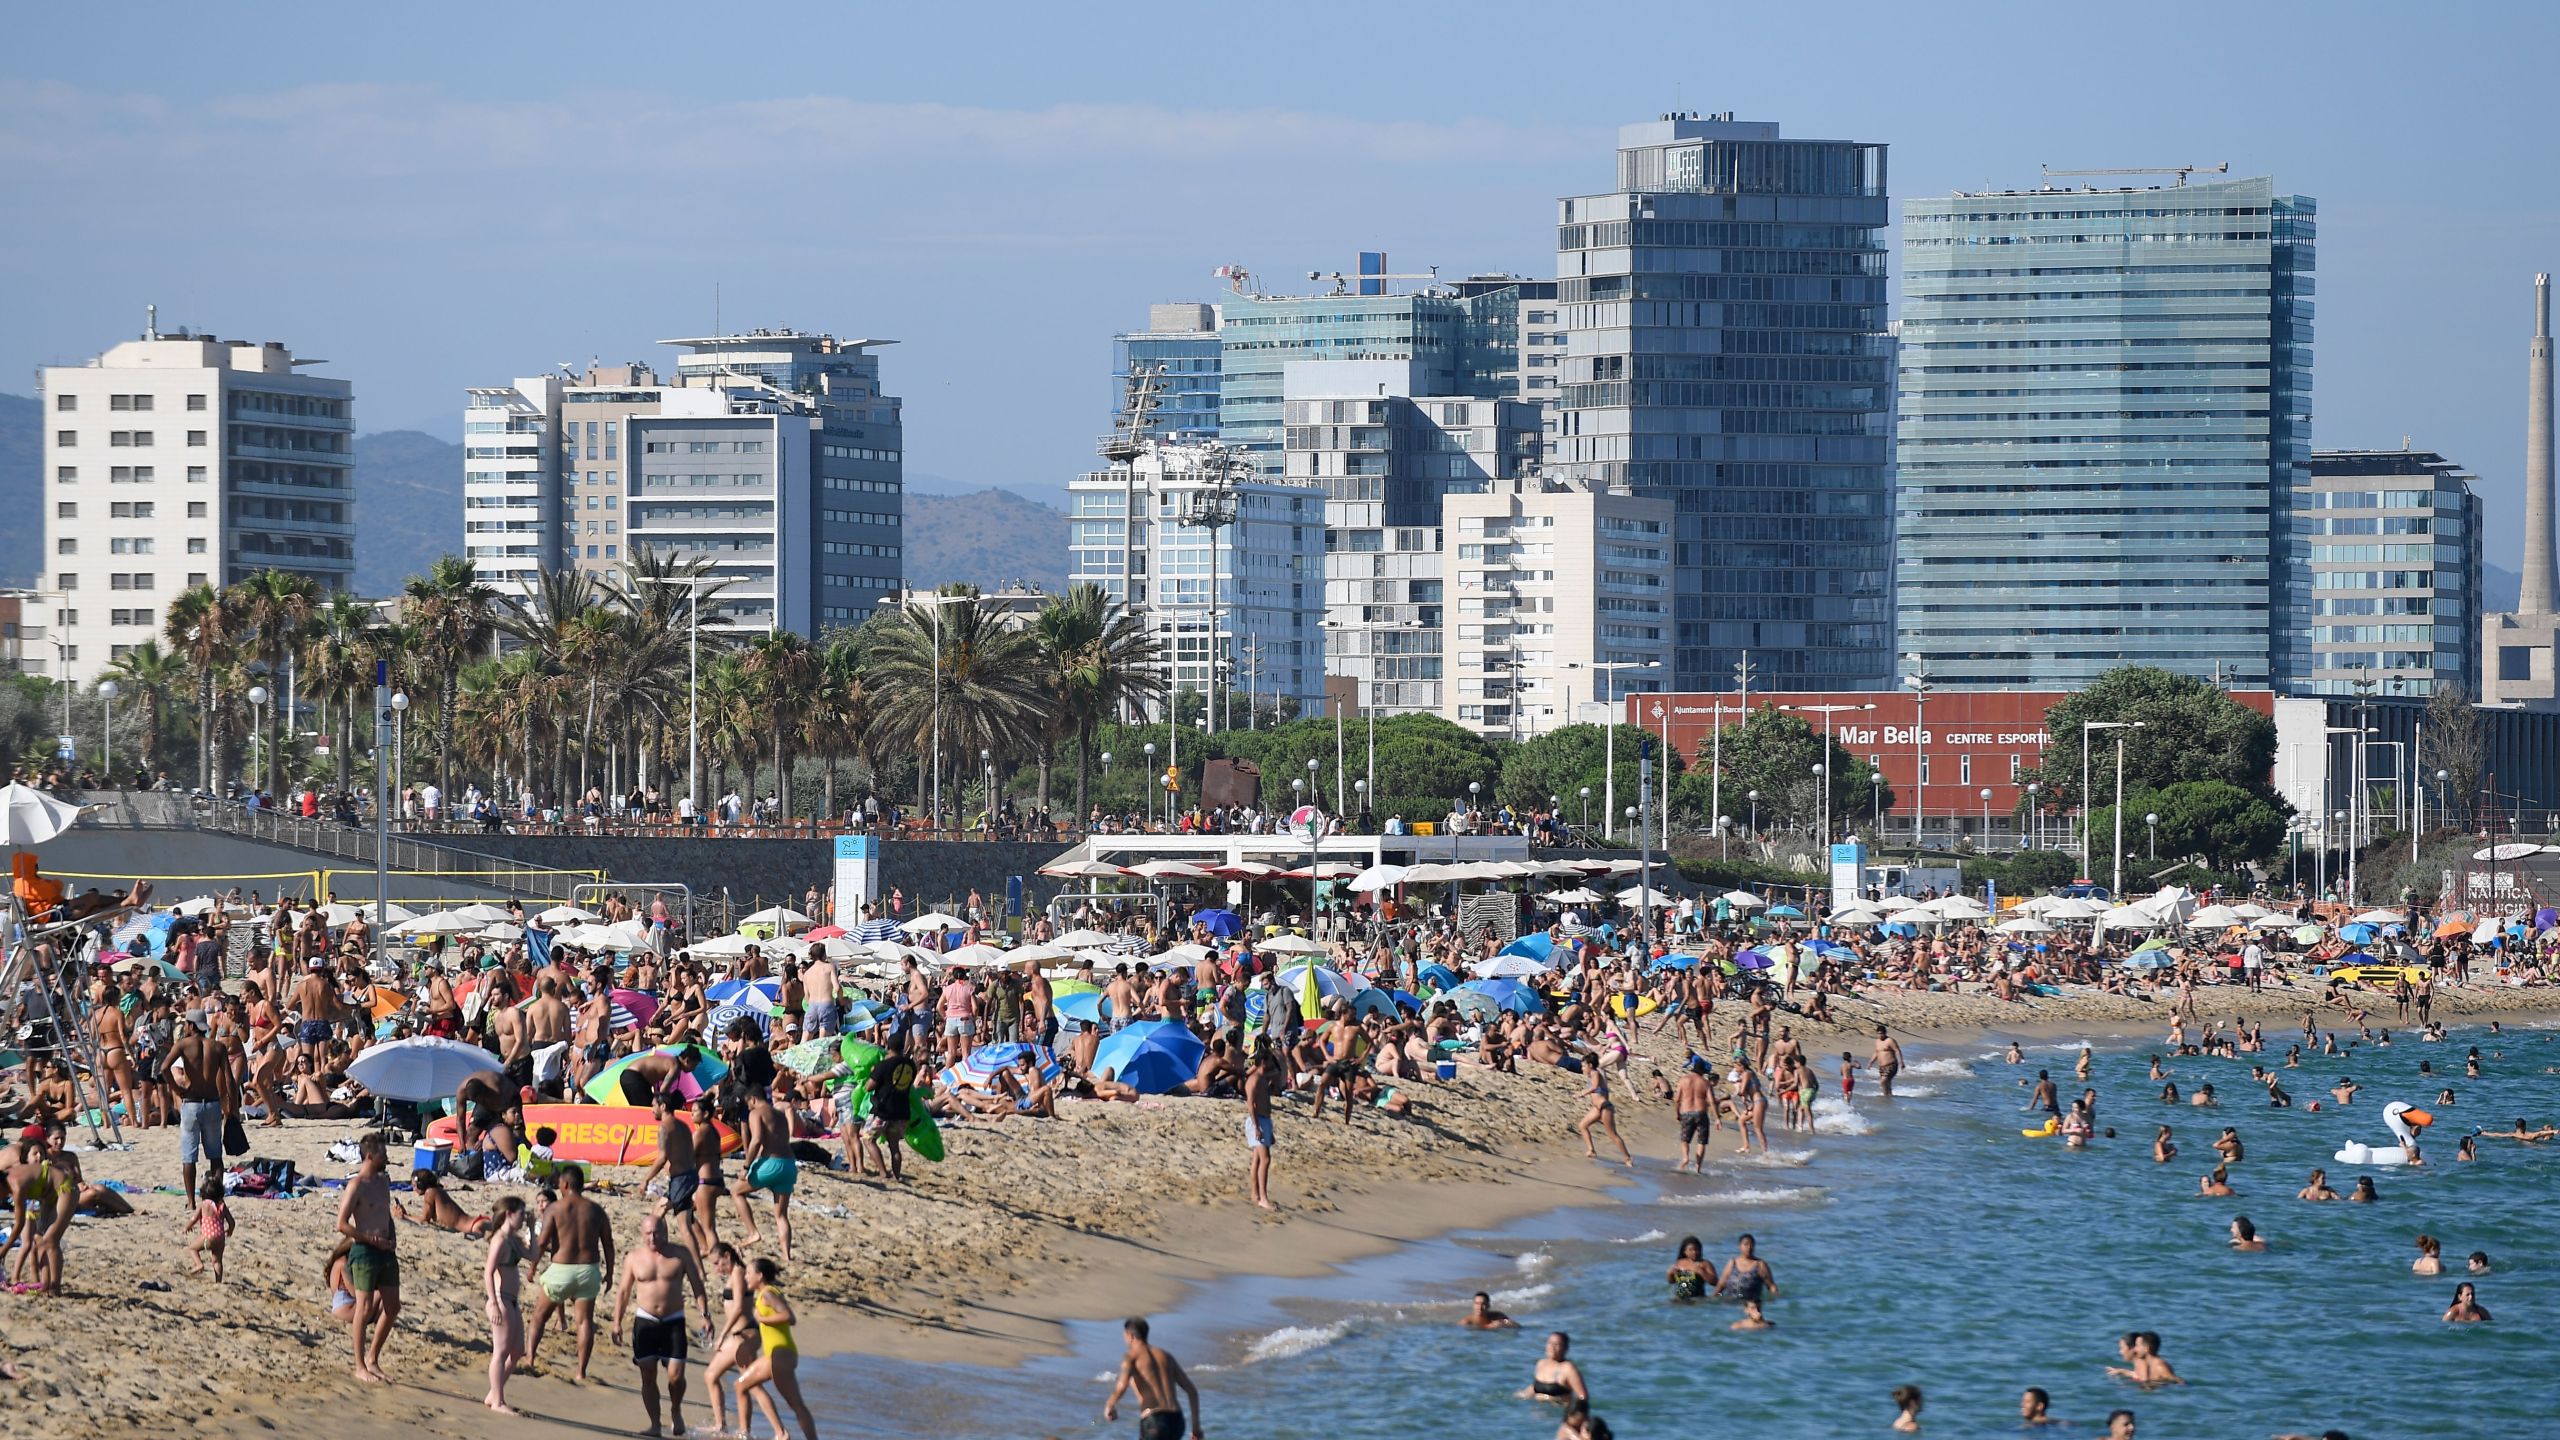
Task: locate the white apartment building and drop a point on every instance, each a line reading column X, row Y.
column 180, row 460
column 1384, row 457
column 1243, row 595
column 772, row 455
column 1549, row 581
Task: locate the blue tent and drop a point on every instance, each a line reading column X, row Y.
column 1152, row 1056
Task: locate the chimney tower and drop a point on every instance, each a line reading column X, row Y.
column 2536, row 594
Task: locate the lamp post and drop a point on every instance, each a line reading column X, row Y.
column 1474, row 788
column 2087, row 726
column 1986, row 817
column 2348, row 818
column 1152, row 780
column 382, row 713
column 2035, row 815
column 1315, row 768
column 399, row 744
column 1586, row 807
column 1369, row 683
column 1826, row 712
column 1724, row 836
column 1360, row 800
column 107, row 731
column 1918, row 680
column 258, row 733
column 1106, row 763
column 987, row 762
column 2116, row 891
column 1822, row 784
column 2151, row 820
column 1875, row 801
column 1755, row 816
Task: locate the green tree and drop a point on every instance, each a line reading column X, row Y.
column 785, row 671
column 1774, row 752
column 452, row 618
column 2456, row 744
column 2190, row 730
column 1561, row 762
column 1104, row 664
column 994, row 690
column 276, row 607
column 203, row 628
column 151, row 676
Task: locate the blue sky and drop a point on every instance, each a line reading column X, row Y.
column 434, row 197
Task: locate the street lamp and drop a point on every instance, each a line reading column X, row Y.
column 1875, row 802
column 1826, row 712
column 399, row 744
column 1360, row 800
column 1755, row 815
column 987, row 762
column 1586, row 807
column 258, row 734
column 1315, row 768
column 1474, row 788
column 2035, row 815
column 1918, row 680
column 1106, row 762
column 1986, row 817
column 1151, row 780
column 107, row 731
column 2085, row 727
column 2152, row 820
column 1820, row 770
column 1724, row 836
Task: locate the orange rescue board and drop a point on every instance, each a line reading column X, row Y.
column 594, row 1134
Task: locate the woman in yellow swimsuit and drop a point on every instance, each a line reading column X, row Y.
column 779, row 1365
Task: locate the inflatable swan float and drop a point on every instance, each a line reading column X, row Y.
column 2404, row 1121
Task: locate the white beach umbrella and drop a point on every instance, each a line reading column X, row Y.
column 441, row 922
column 424, row 1068
column 559, row 915
column 1432, row 872
column 927, row 924
column 1892, row 903
column 2214, row 917
column 1291, row 945
column 2251, row 910
column 720, row 945
column 1508, row 967
column 503, row 934
column 485, row 913
column 1085, row 940
column 977, row 957
column 1575, row 896
column 1638, row 895
column 2072, row 908
column 781, row 916
column 2129, row 917
column 1378, row 877
column 1251, row 870
column 2272, row 922
column 2038, row 904
column 2023, row 925
column 1857, row 918
column 1083, row 870
column 1187, row 953
column 1743, row 900
column 2380, row 917
column 31, row 817
column 1170, row 870
column 1037, row 954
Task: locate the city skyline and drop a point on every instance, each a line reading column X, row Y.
column 1016, row 187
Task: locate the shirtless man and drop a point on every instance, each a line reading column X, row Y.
column 1693, row 1099
column 654, row 1281
column 316, row 1000
column 373, row 1258
column 1482, row 1316
column 683, row 1171
column 1153, row 1376
column 577, row 1237
column 770, row 1168
column 479, row 1103
column 201, row 1066
column 1887, row 1060
column 2523, row 1132
column 1261, row 1082
column 594, row 1043
column 825, row 1012
column 545, row 1021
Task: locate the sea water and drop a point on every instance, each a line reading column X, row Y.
column 1922, row 1240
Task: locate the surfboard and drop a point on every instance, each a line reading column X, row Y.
column 593, row 1134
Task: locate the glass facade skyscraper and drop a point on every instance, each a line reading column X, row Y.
column 1724, row 323
column 1461, row 345
column 1180, row 344
column 2105, row 427
column 2395, row 572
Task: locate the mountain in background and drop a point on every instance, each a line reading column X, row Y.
column 992, row 539
column 408, row 506
column 2499, row 587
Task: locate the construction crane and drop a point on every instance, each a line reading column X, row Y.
column 1238, row 278
column 1342, row 282
column 2181, row 171
column 1146, row 385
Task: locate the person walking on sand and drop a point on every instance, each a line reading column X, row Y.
column 732, row 1333
column 654, row 1279
column 778, row 1368
column 578, row 1238
column 1603, row 1113
column 771, row 1167
column 1261, row 1082
column 1153, row 1376
column 211, row 1220
column 501, row 1276
column 373, row 1256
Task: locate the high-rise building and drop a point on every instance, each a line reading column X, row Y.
column 178, row 460
column 1550, row 580
column 1384, row 457
column 2395, row 572
column 1462, row 345
column 2105, row 422
column 1724, row 316
column 771, row 455
column 1226, row 570
column 1180, row 348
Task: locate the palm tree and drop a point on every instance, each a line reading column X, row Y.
column 151, row 676
column 452, row 619
column 276, row 607
column 203, row 631
column 839, row 708
column 783, row 669
column 992, row 686
column 1104, row 664
column 337, row 663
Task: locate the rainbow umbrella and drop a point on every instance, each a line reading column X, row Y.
column 708, row 1071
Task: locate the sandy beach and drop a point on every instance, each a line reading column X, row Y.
column 1111, row 1209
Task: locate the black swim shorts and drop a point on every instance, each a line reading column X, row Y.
column 1160, row 1425
column 1696, row 1126
column 656, row 1341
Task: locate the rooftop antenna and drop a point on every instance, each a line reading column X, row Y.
column 2181, row 171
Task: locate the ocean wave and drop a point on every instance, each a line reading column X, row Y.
column 1764, row 1195
column 1646, row 1238
column 1914, row 1092
column 1779, row 1159
column 1834, row 1117
column 1523, row 1294
column 1291, row 1340
column 1939, row 1067
column 1530, row 1261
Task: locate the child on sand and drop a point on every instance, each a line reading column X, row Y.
column 211, row 1220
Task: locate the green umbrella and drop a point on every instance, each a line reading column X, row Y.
column 135, row 962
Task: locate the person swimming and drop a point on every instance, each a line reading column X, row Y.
column 2430, row 1259
column 1691, row 1274
column 1556, row 1378
column 2318, row 1188
column 1747, row 1277
column 2245, row 1237
column 2364, row 1193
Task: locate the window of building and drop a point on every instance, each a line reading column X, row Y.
column 1964, row 769
column 66, row 617
column 195, row 510
column 195, row 578
column 612, row 552
column 71, row 652
column 2015, row 761
column 195, row 544
column 65, row 545
column 66, row 439
column 195, row 437
column 66, row 403
column 612, row 527
column 195, row 474
column 66, row 474
column 195, row 402
column 66, row 510
column 1924, row 767
column 131, row 509
column 66, row 580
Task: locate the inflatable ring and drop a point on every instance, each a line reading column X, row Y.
column 2051, row 1127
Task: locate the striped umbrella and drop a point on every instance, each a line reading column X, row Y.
column 988, row 1061
column 632, row 1009
column 870, row 930
column 723, row 1016
column 757, row 995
